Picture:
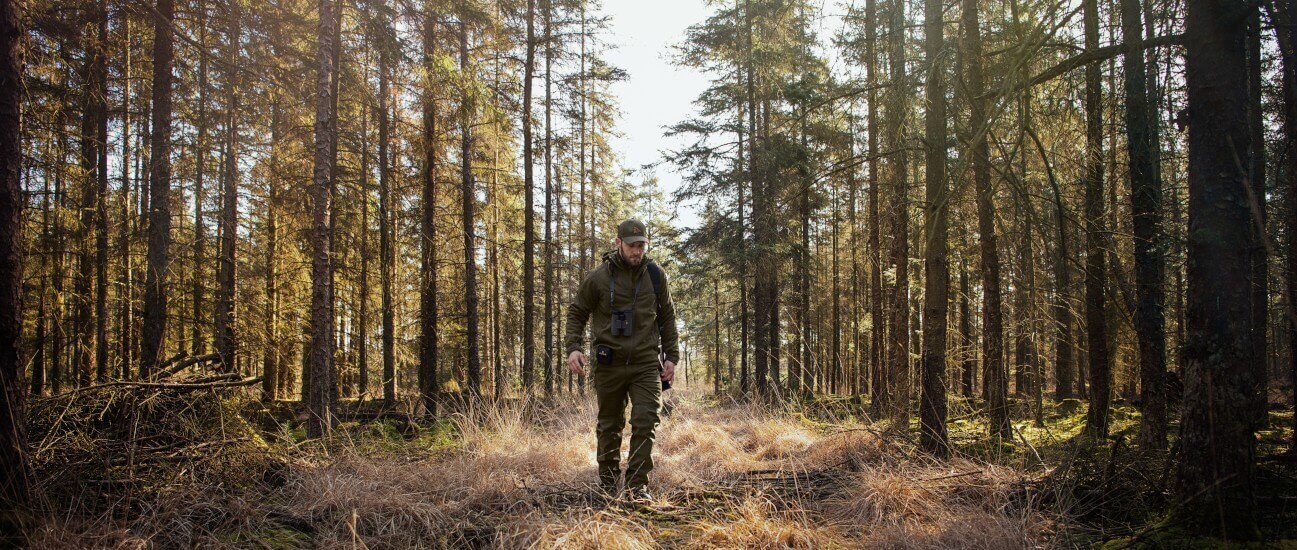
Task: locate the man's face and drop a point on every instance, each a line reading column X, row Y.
column 633, row 253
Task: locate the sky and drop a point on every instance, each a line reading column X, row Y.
column 658, row 93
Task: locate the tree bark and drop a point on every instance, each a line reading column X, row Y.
column 428, row 227
column 898, row 364
column 14, row 473
column 994, row 372
column 386, row 246
column 1146, row 199
column 1217, row 445
column 320, row 397
column 1096, row 321
column 225, row 341
column 936, row 265
column 159, row 238
column 468, row 194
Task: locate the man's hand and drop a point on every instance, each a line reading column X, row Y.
column 668, row 371
column 576, row 362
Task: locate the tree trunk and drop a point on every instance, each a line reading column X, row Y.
column 386, row 246
column 898, row 364
column 155, row 297
column 1217, row 446
column 1283, row 12
column 1096, row 321
column 529, row 214
column 994, row 372
column 468, row 194
column 225, row 341
column 14, row 472
column 428, row 227
column 877, row 376
column 1257, row 199
column 1146, row 200
column 936, row 266
column 125, row 279
column 271, row 365
column 550, row 346
column 198, row 284
column 320, row 397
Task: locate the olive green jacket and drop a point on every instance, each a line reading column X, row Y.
column 592, row 298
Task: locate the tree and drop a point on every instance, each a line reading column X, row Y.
column 529, row 214
column 936, row 266
column 994, row 371
column 386, row 238
column 1096, row 322
column 1146, row 199
column 428, row 226
column 159, row 235
column 13, row 409
column 468, row 201
column 319, row 364
column 228, row 222
column 898, row 362
column 1214, row 478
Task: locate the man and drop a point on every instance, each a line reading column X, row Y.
column 636, row 349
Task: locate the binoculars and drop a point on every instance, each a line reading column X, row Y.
column 623, row 322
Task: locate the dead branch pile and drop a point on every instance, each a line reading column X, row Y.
column 108, row 447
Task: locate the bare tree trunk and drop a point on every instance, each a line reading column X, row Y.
column 898, row 364
column 529, row 214
column 362, row 286
column 468, row 194
column 550, row 346
column 386, row 246
column 1282, row 14
column 198, row 284
column 155, row 297
column 936, row 265
column 13, row 409
column 271, row 365
column 1096, row 321
column 1257, row 199
column 428, row 227
column 226, row 344
column 1217, row 444
column 125, row 279
column 1146, row 200
column 320, row 397
column 877, row 376
column 994, row 372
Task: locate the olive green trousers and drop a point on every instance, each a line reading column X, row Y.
column 615, row 385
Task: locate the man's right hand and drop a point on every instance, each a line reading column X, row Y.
column 576, row 362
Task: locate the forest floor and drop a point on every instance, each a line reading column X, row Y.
column 521, row 474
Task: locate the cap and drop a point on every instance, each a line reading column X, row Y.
column 632, row 231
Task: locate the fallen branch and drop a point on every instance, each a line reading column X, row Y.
column 169, row 370
column 219, row 382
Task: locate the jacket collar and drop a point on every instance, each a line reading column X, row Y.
column 614, row 257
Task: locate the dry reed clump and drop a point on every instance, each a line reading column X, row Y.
column 696, row 451
column 579, row 530
column 852, row 446
column 876, row 496
column 755, row 523
column 501, row 453
column 962, row 528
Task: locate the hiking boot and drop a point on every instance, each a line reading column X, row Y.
column 639, row 494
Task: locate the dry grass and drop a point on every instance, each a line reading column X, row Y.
column 521, row 475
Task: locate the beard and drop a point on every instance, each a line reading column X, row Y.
column 633, row 261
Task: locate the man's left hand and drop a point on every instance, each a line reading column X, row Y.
column 668, row 371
